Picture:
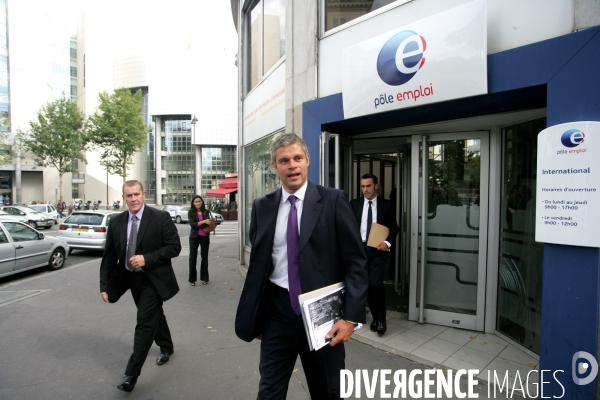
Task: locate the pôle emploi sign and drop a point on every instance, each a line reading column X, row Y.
column 568, row 184
column 435, row 59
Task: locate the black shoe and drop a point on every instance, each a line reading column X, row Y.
column 381, row 328
column 374, row 325
column 128, row 383
column 164, row 358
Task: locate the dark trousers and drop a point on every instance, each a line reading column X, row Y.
column 284, row 338
column 376, row 293
column 151, row 323
column 204, row 243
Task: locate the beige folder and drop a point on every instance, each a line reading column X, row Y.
column 377, row 235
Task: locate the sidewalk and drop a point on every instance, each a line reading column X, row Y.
column 64, row 342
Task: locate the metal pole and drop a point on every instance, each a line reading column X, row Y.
column 424, row 188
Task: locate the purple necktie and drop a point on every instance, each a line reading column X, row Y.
column 292, row 256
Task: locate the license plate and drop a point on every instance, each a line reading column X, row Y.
column 80, row 229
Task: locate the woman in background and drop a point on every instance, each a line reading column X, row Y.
column 198, row 217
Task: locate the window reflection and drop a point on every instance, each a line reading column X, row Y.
column 338, row 12
column 261, row 179
column 266, row 37
column 521, row 257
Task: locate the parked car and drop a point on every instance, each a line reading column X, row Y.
column 86, row 230
column 171, row 210
column 218, row 217
column 23, row 248
column 34, row 218
column 180, row 215
column 12, row 217
column 48, row 209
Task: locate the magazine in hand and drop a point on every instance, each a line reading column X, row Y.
column 321, row 309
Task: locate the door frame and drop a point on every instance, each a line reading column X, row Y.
column 422, row 315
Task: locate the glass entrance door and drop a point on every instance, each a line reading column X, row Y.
column 449, row 186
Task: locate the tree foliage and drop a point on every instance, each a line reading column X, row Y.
column 118, row 129
column 56, row 137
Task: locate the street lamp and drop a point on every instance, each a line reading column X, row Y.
column 194, row 120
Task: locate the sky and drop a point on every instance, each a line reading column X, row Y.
column 140, row 25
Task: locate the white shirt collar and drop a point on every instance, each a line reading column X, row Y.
column 300, row 193
column 374, row 201
column 138, row 214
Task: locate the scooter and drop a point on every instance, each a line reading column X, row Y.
column 86, row 205
column 116, row 205
column 78, row 205
column 96, row 204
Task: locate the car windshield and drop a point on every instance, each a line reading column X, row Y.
column 84, row 219
column 39, row 208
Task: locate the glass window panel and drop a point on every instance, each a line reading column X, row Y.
column 521, row 257
column 261, row 179
column 274, row 32
column 255, row 40
column 339, row 12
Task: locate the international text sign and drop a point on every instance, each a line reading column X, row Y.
column 568, row 184
column 438, row 58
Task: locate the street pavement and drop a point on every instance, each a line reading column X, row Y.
column 60, row 341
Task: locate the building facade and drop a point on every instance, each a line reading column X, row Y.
column 462, row 106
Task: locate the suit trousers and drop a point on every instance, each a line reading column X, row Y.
column 283, row 339
column 376, row 293
column 151, row 323
column 204, row 243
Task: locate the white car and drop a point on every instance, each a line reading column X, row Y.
column 34, row 218
column 48, row 209
column 86, row 230
column 23, row 248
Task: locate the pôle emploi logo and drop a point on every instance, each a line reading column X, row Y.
column 437, row 383
column 572, row 138
column 400, row 58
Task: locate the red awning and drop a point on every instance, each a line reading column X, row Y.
column 228, row 183
column 220, row 192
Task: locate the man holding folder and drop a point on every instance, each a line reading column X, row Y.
column 369, row 209
column 304, row 238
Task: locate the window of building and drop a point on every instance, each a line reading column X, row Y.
column 216, row 163
column 521, row 257
column 266, row 38
column 178, row 163
column 261, row 179
column 338, row 12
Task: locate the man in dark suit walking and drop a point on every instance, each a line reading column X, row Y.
column 140, row 244
column 304, row 237
column 368, row 209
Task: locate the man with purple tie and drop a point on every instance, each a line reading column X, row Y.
column 304, row 237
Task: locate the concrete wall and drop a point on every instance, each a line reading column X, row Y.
column 32, row 187
column 301, row 33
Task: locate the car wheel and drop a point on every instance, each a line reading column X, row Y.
column 178, row 219
column 32, row 224
column 57, row 260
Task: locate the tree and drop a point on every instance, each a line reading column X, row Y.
column 56, row 137
column 118, row 129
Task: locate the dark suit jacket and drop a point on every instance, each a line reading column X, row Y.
column 193, row 222
column 329, row 251
column 386, row 215
column 157, row 241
